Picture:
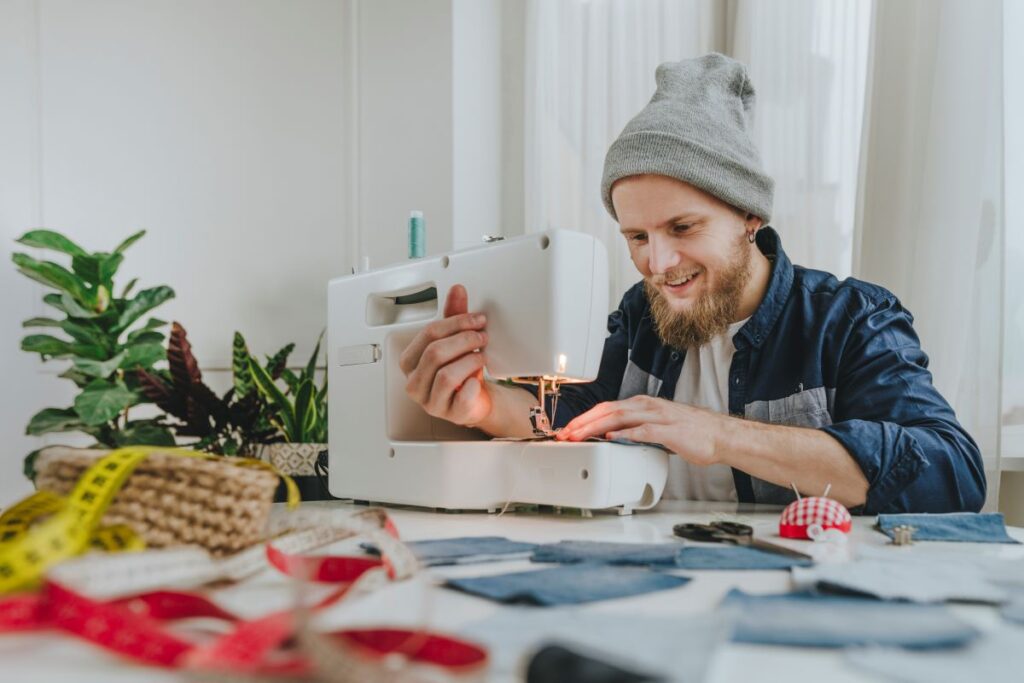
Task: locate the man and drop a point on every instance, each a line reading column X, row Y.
column 760, row 376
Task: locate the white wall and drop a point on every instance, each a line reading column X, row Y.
column 476, row 121
column 217, row 126
column 267, row 145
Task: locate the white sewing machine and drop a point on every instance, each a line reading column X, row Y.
column 545, row 297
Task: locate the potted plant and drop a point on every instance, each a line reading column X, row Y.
column 97, row 332
column 255, row 417
column 232, row 424
column 300, row 414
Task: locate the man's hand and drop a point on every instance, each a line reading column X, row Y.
column 809, row 459
column 444, row 364
column 687, row 431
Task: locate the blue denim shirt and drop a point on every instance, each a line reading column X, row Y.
column 840, row 356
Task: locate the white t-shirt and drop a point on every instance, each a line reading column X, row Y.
column 704, row 382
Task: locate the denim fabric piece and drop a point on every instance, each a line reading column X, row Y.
column 467, row 550
column 568, row 585
column 810, row 620
column 678, row 647
column 971, row 527
column 902, row 578
column 735, row 557
column 993, row 658
column 1014, row 612
column 634, row 554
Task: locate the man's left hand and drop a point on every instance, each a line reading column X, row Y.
column 687, row 431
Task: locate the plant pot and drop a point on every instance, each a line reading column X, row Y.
column 298, row 461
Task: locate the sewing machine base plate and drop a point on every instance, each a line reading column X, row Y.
column 494, row 475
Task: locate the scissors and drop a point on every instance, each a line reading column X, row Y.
column 734, row 533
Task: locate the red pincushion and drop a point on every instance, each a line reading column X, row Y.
column 801, row 514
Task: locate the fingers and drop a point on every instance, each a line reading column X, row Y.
column 436, row 331
column 438, row 355
column 610, row 416
column 456, row 302
column 641, row 433
column 471, row 403
column 614, row 421
column 449, row 380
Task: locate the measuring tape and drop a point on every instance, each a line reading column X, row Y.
column 134, row 625
column 27, row 550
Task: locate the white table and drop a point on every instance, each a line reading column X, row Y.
column 52, row 657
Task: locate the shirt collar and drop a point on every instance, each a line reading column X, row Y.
column 755, row 332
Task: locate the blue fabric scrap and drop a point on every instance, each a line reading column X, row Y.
column 569, row 585
column 665, row 555
column 812, row 620
column 633, row 554
column 466, row 550
column 970, row 527
column 735, row 557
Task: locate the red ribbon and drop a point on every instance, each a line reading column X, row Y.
column 136, row 626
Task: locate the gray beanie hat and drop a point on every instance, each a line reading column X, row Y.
column 695, row 129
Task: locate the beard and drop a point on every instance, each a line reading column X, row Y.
column 710, row 315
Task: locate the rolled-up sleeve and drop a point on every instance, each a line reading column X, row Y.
column 897, row 426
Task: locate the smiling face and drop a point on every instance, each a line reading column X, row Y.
column 693, row 252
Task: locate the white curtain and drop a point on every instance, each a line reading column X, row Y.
column 880, row 122
column 590, row 68
column 931, row 217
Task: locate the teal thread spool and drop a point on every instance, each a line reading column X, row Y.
column 417, row 234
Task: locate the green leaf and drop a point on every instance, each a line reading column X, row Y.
column 277, row 363
column 129, row 287
column 303, row 407
column 48, row 239
column 146, row 332
column 284, row 411
column 51, row 420
column 145, row 337
column 41, row 322
column 79, row 378
column 29, row 464
column 152, row 324
column 101, row 369
column 291, row 379
column 102, row 401
column 68, row 306
column 85, row 332
column 144, row 433
column 47, row 345
column 52, row 275
column 97, row 268
column 143, row 302
column 144, row 355
column 310, row 372
column 240, row 358
column 129, row 242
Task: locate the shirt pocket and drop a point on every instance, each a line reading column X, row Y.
column 808, row 408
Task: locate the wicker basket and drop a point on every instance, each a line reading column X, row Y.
column 173, row 500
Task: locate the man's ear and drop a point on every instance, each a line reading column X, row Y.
column 753, row 222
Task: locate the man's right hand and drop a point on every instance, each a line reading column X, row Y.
column 444, row 364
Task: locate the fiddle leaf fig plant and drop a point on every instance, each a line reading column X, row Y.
column 97, row 332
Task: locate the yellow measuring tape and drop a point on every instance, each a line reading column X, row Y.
column 73, row 523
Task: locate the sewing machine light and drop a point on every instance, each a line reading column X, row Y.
column 561, row 363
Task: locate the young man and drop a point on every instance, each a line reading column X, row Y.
column 758, row 375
